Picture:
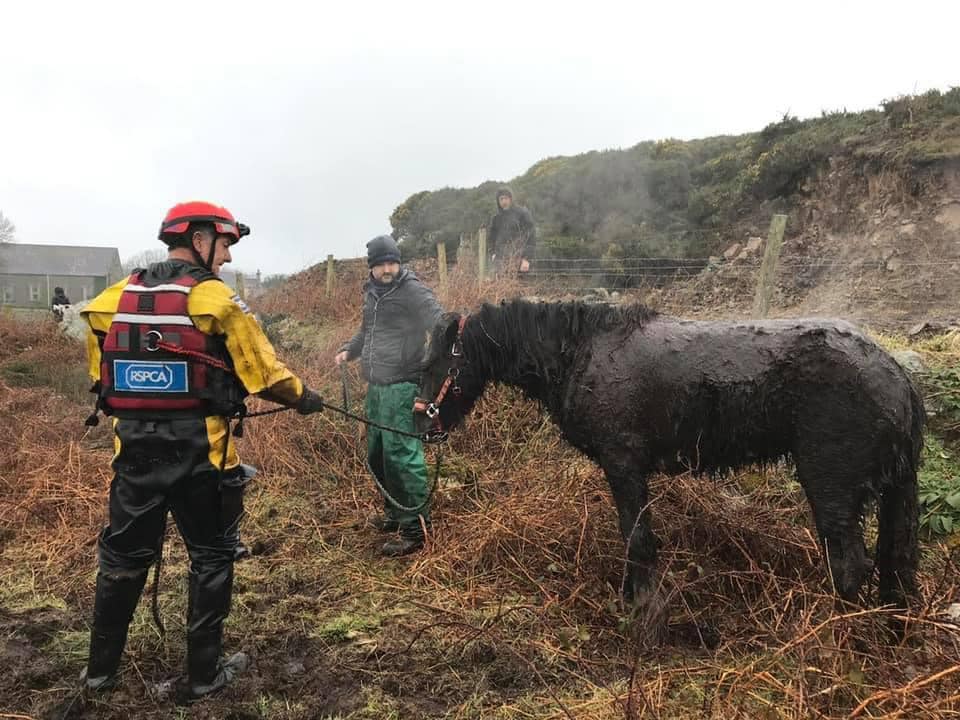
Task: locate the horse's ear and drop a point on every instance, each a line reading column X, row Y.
column 451, row 325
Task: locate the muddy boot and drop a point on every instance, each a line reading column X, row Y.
column 106, row 649
column 408, row 541
column 207, row 673
column 116, row 599
column 381, row 523
column 189, row 692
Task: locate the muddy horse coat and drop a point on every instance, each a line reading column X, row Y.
column 641, row 393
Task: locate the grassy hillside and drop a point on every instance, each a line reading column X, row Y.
column 679, row 198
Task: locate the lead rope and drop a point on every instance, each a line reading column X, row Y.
column 383, row 491
column 238, row 432
column 155, row 600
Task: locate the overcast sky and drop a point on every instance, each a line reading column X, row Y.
column 312, row 123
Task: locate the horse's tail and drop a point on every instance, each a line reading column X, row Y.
column 899, row 511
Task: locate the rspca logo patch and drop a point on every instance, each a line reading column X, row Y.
column 150, row 376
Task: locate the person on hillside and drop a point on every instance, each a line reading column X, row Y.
column 398, row 312
column 512, row 236
column 173, row 352
column 59, row 303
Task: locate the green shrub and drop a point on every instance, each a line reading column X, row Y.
column 561, row 246
column 669, row 183
column 776, row 132
column 939, row 480
column 942, row 385
column 951, row 101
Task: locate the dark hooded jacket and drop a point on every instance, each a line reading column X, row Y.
column 392, row 336
column 60, row 298
column 511, row 230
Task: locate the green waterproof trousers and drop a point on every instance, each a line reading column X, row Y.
column 397, row 460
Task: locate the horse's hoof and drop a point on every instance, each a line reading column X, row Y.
column 647, row 619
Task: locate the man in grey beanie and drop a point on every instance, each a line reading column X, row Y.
column 398, row 313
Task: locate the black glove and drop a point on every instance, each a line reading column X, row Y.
column 309, row 402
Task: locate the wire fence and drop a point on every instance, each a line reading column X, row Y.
column 885, row 290
column 657, row 268
column 878, row 292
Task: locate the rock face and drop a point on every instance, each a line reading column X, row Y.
column 860, row 243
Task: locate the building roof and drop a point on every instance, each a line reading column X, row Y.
column 25, row 259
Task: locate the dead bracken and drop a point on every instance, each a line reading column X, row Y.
column 513, row 610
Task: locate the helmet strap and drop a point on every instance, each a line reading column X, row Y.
column 208, row 263
column 213, row 249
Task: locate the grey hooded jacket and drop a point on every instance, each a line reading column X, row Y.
column 392, row 336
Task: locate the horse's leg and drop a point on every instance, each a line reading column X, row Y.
column 628, row 483
column 831, row 475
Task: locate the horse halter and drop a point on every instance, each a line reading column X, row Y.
column 432, row 409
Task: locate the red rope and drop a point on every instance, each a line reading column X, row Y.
column 202, row 357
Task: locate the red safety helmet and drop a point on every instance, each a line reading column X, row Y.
column 180, row 216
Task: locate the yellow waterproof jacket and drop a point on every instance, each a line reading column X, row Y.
column 215, row 310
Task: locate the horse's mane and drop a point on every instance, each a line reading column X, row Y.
column 570, row 318
column 534, row 344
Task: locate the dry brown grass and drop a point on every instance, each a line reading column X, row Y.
column 513, row 610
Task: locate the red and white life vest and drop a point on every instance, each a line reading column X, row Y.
column 156, row 363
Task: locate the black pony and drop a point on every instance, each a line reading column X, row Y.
column 641, row 393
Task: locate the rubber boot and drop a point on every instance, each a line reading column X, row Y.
column 106, row 649
column 408, row 541
column 116, row 599
column 206, row 672
column 210, row 589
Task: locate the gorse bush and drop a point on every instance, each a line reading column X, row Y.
column 669, row 183
column 911, row 109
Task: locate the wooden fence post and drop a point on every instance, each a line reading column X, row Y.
column 330, row 275
column 482, row 253
column 768, row 268
column 442, row 264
